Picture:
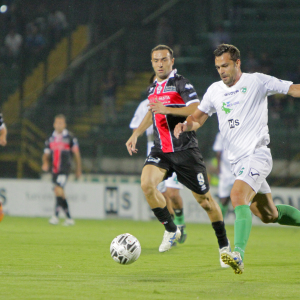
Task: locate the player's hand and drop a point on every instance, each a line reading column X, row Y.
column 45, row 167
column 131, row 143
column 3, row 141
column 180, row 128
column 78, row 174
column 158, row 108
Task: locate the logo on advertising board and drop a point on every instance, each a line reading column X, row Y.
column 111, row 200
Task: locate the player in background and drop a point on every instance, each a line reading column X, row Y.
column 172, row 98
column 240, row 101
column 170, row 187
column 3, row 142
column 60, row 148
column 226, row 179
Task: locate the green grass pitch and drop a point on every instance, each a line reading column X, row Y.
column 40, row 261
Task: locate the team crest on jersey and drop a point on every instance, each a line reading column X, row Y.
column 226, row 109
column 243, row 89
column 158, row 90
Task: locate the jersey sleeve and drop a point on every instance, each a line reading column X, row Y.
column 47, row 149
column 274, row 85
column 139, row 114
column 217, row 146
column 206, row 104
column 187, row 92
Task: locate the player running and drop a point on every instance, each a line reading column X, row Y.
column 61, row 147
column 172, row 98
column 170, row 187
column 226, row 179
column 3, row 142
column 240, row 101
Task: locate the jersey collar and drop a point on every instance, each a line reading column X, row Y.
column 64, row 133
column 172, row 75
column 233, row 86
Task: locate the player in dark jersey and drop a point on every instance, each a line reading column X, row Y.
column 172, row 98
column 3, row 142
column 60, row 148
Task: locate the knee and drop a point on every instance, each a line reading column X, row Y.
column 237, row 198
column 148, row 187
column 205, row 203
column 267, row 218
column 173, row 196
column 58, row 191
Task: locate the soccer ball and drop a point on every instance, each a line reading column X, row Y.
column 125, row 249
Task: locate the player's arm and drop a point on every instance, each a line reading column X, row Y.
column 131, row 143
column 218, row 156
column 46, row 161
column 192, row 123
column 294, row 90
column 77, row 158
column 3, row 135
column 158, row 108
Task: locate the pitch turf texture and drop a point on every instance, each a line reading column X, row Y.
column 41, row 261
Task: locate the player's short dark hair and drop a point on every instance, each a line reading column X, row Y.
column 226, row 48
column 60, row 116
column 162, row 47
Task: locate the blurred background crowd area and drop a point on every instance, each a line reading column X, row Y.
column 91, row 61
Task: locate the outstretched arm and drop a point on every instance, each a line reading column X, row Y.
column 77, row 158
column 131, row 143
column 46, row 162
column 192, row 123
column 3, row 134
column 294, row 90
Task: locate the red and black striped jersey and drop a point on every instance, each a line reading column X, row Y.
column 176, row 91
column 61, row 148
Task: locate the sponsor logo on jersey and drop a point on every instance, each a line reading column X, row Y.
column 162, row 98
column 159, row 88
column 153, row 159
column 170, row 89
column 243, row 89
column 231, row 93
column 233, row 123
column 225, row 108
column 253, row 174
column 188, row 86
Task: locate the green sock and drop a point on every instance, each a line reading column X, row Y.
column 179, row 217
column 288, row 215
column 224, row 209
column 242, row 228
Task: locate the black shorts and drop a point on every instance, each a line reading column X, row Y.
column 59, row 179
column 187, row 164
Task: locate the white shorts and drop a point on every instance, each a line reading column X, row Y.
column 254, row 169
column 170, row 182
column 225, row 185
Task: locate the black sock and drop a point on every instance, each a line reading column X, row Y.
column 66, row 208
column 59, row 203
column 172, row 217
column 178, row 212
column 163, row 216
column 220, row 231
